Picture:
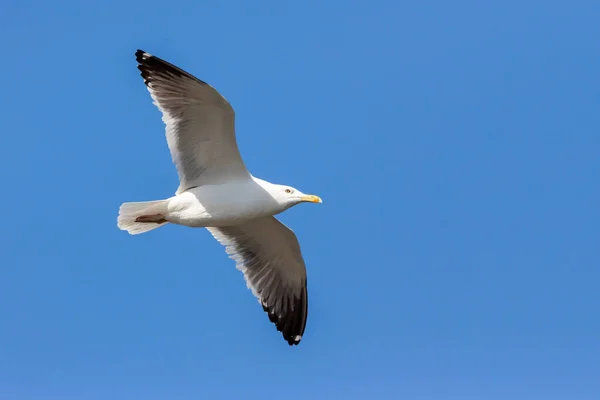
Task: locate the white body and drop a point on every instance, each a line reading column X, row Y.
column 222, row 205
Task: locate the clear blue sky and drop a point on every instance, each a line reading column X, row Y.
column 456, row 147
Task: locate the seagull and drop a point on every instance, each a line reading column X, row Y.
column 217, row 192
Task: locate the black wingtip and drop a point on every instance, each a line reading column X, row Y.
column 150, row 65
column 292, row 324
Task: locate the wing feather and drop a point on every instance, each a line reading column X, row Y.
column 200, row 124
column 269, row 255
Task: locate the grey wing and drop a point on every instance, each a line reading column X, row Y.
column 269, row 255
column 199, row 124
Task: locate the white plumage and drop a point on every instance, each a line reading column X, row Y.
column 216, row 191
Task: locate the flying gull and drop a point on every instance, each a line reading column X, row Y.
column 217, row 192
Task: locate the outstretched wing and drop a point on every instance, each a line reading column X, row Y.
column 268, row 254
column 199, row 124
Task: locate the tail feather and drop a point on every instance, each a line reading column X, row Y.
column 130, row 216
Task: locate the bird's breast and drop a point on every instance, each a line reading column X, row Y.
column 220, row 205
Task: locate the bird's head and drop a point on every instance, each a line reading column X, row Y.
column 294, row 196
column 289, row 196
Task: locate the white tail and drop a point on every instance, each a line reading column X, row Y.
column 152, row 211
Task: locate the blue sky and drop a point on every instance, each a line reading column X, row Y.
column 455, row 145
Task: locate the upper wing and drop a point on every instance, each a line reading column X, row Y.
column 199, row 124
column 268, row 254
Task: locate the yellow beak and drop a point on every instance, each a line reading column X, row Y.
column 311, row 199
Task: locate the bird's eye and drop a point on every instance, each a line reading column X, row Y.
column 288, row 191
